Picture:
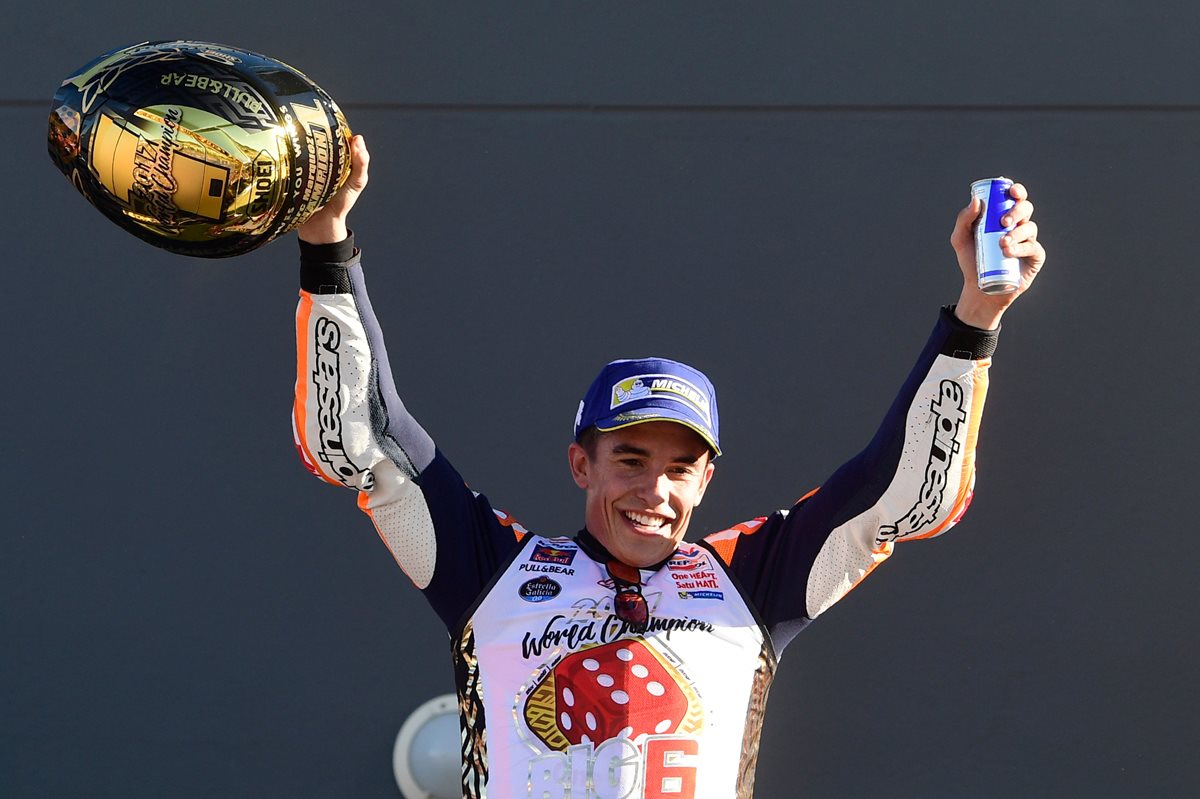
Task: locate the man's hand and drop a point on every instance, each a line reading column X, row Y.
column 328, row 224
column 984, row 310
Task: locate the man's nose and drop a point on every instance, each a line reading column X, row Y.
column 655, row 487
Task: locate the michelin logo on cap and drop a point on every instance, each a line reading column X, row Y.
column 628, row 392
column 641, row 387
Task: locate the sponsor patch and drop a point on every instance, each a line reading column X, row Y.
column 702, row 595
column 544, row 553
column 641, row 387
column 547, row 568
column 539, row 589
column 689, row 561
column 704, row 579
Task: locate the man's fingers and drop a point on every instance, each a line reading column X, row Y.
column 1022, row 249
column 962, row 234
column 328, row 224
column 1022, row 243
column 360, row 161
column 1026, row 231
column 1019, row 213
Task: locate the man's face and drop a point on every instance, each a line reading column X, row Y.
column 642, row 483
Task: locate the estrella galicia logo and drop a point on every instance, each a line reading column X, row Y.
column 539, row 589
column 544, row 553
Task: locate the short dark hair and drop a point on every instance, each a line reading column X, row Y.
column 588, row 438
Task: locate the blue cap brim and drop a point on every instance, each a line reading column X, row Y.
column 652, row 414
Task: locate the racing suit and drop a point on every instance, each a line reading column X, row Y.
column 559, row 697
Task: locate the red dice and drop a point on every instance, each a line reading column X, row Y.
column 619, row 689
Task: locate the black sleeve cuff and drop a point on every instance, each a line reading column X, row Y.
column 965, row 341
column 323, row 267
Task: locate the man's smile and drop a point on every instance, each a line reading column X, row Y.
column 654, row 522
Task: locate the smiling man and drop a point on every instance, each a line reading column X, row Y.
column 622, row 660
column 644, row 455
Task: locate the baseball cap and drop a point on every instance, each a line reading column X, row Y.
column 629, row 392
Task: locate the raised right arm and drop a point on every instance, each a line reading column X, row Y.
column 351, row 429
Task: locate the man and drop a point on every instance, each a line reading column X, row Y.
column 623, row 661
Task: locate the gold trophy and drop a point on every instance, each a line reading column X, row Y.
column 199, row 148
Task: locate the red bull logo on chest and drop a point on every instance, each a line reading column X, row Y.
column 545, row 553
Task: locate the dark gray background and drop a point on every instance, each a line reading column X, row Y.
column 763, row 189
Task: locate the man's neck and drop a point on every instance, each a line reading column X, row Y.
column 592, row 547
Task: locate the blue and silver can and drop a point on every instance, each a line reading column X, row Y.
column 998, row 273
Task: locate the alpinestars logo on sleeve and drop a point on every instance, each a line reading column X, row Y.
column 327, row 379
column 949, row 414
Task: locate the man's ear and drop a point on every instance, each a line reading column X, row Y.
column 577, row 457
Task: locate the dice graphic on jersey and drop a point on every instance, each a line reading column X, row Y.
column 623, row 689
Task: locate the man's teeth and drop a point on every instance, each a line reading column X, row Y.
column 645, row 521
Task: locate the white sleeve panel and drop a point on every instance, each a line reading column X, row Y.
column 929, row 491
column 401, row 515
column 332, row 424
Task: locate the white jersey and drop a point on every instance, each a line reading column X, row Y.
column 579, row 704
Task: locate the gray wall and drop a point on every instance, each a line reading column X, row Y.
column 764, row 189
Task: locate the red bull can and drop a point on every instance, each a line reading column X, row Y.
column 998, row 273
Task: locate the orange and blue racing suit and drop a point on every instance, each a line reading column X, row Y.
column 558, row 695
